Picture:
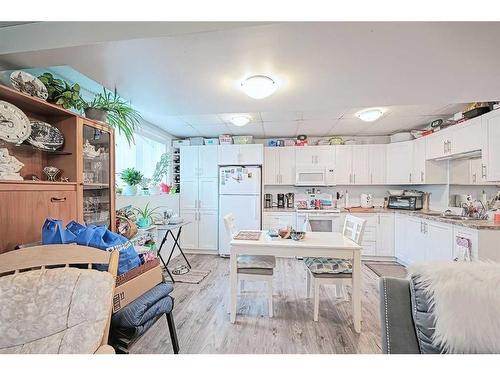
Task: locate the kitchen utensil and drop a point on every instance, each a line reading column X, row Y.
column 45, row 136
column 366, row 200
column 281, row 200
column 289, row 200
column 15, row 126
column 28, row 84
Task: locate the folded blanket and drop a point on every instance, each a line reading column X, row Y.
column 132, row 332
column 456, row 306
column 152, row 303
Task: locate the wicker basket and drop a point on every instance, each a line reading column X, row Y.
column 130, row 229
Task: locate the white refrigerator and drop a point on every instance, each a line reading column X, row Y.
column 239, row 194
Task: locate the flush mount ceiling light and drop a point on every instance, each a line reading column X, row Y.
column 240, row 120
column 370, row 115
column 259, row 86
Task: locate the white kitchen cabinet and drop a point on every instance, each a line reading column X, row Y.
column 439, row 241
column 401, row 238
column 436, row 145
column 377, row 160
column 491, row 149
column 343, row 165
column 417, row 244
column 418, row 173
column 315, row 156
column 208, row 226
column 278, row 220
column 468, row 172
column 385, row 234
column 360, row 165
column 189, row 193
column 208, row 197
column 399, row 163
column 189, row 236
column 279, row 165
column 199, row 161
column 251, row 154
column 189, row 161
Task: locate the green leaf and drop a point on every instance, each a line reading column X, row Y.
column 60, row 101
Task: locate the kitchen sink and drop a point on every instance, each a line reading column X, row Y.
column 451, row 217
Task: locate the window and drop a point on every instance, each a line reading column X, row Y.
column 143, row 155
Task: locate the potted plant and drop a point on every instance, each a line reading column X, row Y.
column 111, row 108
column 145, row 182
column 131, row 177
column 145, row 216
column 61, row 92
column 161, row 170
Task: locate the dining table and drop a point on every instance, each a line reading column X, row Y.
column 314, row 244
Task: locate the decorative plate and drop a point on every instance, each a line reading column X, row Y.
column 28, row 84
column 15, row 127
column 45, row 136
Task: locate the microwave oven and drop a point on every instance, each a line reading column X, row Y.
column 319, row 176
column 405, row 202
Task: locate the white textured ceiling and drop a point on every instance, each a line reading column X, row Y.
column 187, row 83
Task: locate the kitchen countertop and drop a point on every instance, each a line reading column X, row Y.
column 428, row 215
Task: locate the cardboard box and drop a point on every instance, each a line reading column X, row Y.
column 136, row 287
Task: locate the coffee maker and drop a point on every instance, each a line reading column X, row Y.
column 289, row 199
column 268, row 200
column 281, row 200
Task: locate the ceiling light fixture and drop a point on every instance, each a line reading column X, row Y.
column 259, row 86
column 240, row 120
column 370, row 115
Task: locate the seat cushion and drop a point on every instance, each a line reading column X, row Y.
column 256, row 261
column 331, row 266
column 62, row 310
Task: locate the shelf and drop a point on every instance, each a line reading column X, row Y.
column 31, row 182
column 95, row 186
column 25, row 146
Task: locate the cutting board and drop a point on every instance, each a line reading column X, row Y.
column 360, row 209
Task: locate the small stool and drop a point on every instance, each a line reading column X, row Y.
column 135, row 319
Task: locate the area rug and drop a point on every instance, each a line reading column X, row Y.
column 391, row 269
column 192, row 277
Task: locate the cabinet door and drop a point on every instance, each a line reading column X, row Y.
column 399, row 162
column 208, row 225
column 360, row 165
column 400, row 238
column 385, row 235
column 23, row 212
column 492, row 127
column 324, row 155
column 208, row 193
column 207, row 161
column 305, row 156
column 369, row 242
column 378, row 164
column 271, row 165
column 343, row 165
column 465, row 137
column 436, row 144
column 189, row 235
column 251, row 154
column 418, row 173
column 439, row 241
column 228, row 154
column 189, row 193
column 461, row 172
column 287, row 165
column 189, row 162
column 416, row 241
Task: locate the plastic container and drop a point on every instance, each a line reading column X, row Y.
column 211, row 141
column 225, row 139
column 401, row 137
column 242, row 139
column 197, row 141
column 180, row 143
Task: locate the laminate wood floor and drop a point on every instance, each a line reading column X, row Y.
column 202, row 318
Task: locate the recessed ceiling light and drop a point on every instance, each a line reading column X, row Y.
column 258, row 86
column 371, row 114
column 240, row 120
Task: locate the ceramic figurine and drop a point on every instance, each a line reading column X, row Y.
column 9, row 166
column 89, row 151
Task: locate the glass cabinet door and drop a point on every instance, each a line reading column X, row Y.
column 96, row 177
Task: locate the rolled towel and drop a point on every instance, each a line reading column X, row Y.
column 144, row 308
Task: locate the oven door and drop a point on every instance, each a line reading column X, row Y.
column 318, row 223
column 310, row 177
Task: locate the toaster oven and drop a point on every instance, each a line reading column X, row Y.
column 405, row 202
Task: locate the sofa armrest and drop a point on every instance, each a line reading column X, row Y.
column 398, row 330
column 105, row 349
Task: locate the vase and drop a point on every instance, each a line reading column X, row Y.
column 143, row 222
column 130, row 190
column 96, row 114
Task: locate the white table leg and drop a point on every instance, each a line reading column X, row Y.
column 356, row 291
column 233, row 280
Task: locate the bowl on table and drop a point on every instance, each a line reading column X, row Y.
column 297, row 236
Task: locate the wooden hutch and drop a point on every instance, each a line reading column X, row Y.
column 88, row 196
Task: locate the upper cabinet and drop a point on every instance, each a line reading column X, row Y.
column 199, row 161
column 252, row 154
column 279, row 165
column 377, row 162
column 400, row 162
column 491, row 150
column 315, row 156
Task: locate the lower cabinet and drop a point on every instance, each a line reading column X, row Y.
column 202, row 231
column 278, row 220
column 378, row 238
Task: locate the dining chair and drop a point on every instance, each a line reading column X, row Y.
column 336, row 271
column 253, row 267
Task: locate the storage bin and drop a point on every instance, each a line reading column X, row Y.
column 211, row 141
column 180, row 142
column 196, row 141
column 242, row 139
column 225, row 139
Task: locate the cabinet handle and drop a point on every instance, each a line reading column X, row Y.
column 421, row 227
column 483, row 171
column 474, row 178
column 354, row 178
column 199, row 203
column 57, row 200
column 410, row 177
column 449, row 146
column 350, row 178
column 444, row 147
column 371, row 178
column 421, row 176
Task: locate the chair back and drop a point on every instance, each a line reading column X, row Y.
column 354, row 228
column 230, row 224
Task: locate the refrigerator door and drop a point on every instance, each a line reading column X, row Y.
column 246, row 210
column 238, row 180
